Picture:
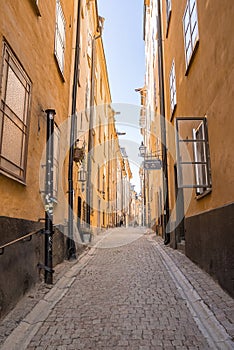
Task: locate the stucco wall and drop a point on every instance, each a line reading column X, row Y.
column 205, row 90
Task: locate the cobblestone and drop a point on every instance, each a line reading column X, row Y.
column 125, row 298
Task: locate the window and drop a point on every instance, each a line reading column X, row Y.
column 193, row 156
column 190, row 24
column 59, row 47
column 168, row 2
column 14, row 116
column 172, row 87
column 201, row 157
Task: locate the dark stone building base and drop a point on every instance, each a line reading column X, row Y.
column 19, row 264
column 210, row 244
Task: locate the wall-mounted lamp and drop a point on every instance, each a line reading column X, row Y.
column 142, row 149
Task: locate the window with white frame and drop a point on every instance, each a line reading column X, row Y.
column 172, row 80
column 168, row 3
column 201, row 157
column 14, row 116
column 193, row 155
column 190, row 25
column 59, row 46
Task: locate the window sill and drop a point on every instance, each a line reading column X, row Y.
column 12, row 177
column 204, row 194
column 192, row 58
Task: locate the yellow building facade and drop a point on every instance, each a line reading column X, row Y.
column 198, row 88
column 53, row 71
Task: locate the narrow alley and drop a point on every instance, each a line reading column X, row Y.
column 127, row 291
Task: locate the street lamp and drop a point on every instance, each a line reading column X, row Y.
column 142, row 149
column 82, row 175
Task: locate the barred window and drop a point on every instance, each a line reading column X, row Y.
column 14, row 116
column 59, row 48
column 190, row 25
column 172, row 87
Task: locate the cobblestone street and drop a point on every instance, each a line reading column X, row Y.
column 128, row 292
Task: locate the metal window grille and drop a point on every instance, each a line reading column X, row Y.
column 190, row 25
column 60, row 27
column 14, row 116
column 193, row 157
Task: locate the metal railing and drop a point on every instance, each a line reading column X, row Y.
column 25, row 238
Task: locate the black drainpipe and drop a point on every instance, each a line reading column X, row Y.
column 49, row 196
column 163, row 129
column 90, row 136
column 71, row 247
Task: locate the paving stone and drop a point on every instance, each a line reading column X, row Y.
column 125, row 298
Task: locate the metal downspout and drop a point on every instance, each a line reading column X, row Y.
column 49, row 197
column 71, row 248
column 90, row 138
column 163, row 129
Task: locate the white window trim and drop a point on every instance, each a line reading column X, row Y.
column 197, row 157
column 172, row 85
column 203, row 185
column 196, row 40
column 60, row 60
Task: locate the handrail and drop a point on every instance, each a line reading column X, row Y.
column 2, row 247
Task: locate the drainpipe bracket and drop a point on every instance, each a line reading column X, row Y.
column 44, row 267
column 45, row 232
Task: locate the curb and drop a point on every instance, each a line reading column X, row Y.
column 215, row 334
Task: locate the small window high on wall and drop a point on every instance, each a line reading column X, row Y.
column 172, row 81
column 59, row 45
column 190, row 26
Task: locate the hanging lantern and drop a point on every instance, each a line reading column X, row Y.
column 82, row 175
column 142, row 150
